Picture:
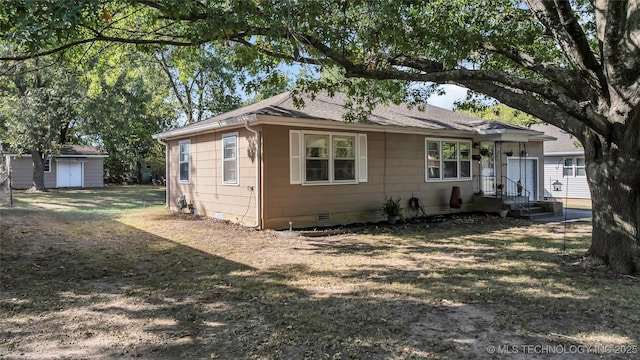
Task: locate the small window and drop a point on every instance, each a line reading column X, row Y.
column 433, row 160
column 47, row 166
column 344, row 158
column 448, row 160
column 568, row 167
column 580, row 169
column 230, row 159
column 184, row 161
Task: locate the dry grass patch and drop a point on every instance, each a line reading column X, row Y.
column 119, row 278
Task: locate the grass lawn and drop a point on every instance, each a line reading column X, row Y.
column 109, row 274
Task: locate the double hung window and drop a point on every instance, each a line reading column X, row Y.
column 184, row 161
column 327, row 158
column 448, row 160
column 230, row 159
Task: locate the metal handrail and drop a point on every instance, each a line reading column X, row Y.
column 504, row 188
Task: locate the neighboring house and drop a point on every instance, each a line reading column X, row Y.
column 272, row 165
column 75, row 166
column 563, row 162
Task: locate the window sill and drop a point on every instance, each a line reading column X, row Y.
column 330, row 183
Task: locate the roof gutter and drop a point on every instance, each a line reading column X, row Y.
column 166, row 171
column 256, row 191
column 210, row 126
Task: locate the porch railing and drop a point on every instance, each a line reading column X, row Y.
column 504, row 188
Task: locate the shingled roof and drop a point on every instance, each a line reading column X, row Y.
column 565, row 143
column 80, row 150
column 325, row 107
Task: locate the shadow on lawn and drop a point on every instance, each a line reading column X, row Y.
column 148, row 297
column 144, row 296
column 99, row 200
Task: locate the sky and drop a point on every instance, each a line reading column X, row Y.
column 453, row 93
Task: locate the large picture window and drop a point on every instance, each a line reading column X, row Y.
column 448, row 160
column 230, row 159
column 184, row 161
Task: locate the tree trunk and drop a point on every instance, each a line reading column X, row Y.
column 614, row 180
column 38, row 171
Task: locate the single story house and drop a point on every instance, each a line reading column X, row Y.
column 564, row 163
column 76, row 166
column 274, row 165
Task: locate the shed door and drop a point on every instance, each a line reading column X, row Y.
column 525, row 170
column 69, row 174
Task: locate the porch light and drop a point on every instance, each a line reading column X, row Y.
column 557, row 186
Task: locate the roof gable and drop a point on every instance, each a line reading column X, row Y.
column 564, row 143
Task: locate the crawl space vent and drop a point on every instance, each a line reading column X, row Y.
column 323, row 217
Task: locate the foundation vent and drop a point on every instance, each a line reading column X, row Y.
column 323, row 217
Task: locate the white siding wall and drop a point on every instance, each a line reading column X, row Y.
column 573, row 187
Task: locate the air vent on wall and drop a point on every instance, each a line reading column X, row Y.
column 323, row 217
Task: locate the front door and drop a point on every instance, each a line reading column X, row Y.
column 525, row 170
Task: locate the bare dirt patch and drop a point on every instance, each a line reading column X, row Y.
column 147, row 283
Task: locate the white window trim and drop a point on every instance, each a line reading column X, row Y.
column 442, row 160
column 574, row 166
column 237, row 182
column 331, row 181
column 48, row 161
column 188, row 181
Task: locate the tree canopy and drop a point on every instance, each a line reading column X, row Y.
column 574, row 64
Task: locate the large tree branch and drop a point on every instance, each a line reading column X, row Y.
column 558, row 17
column 549, row 113
column 296, row 57
column 582, row 110
column 571, row 82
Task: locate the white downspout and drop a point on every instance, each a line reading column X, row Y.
column 166, row 171
column 257, row 187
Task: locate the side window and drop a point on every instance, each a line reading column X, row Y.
column 47, row 166
column 184, row 161
column 230, row 159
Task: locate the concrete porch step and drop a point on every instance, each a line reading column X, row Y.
column 534, row 212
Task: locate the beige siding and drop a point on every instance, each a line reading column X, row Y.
column 398, row 172
column 206, row 189
column 22, row 173
column 94, row 173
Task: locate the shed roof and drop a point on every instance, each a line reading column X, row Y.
column 70, row 151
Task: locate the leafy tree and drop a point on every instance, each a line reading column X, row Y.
column 202, row 79
column 39, row 105
column 574, row 64
column 499, row 112
column 127, row 104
